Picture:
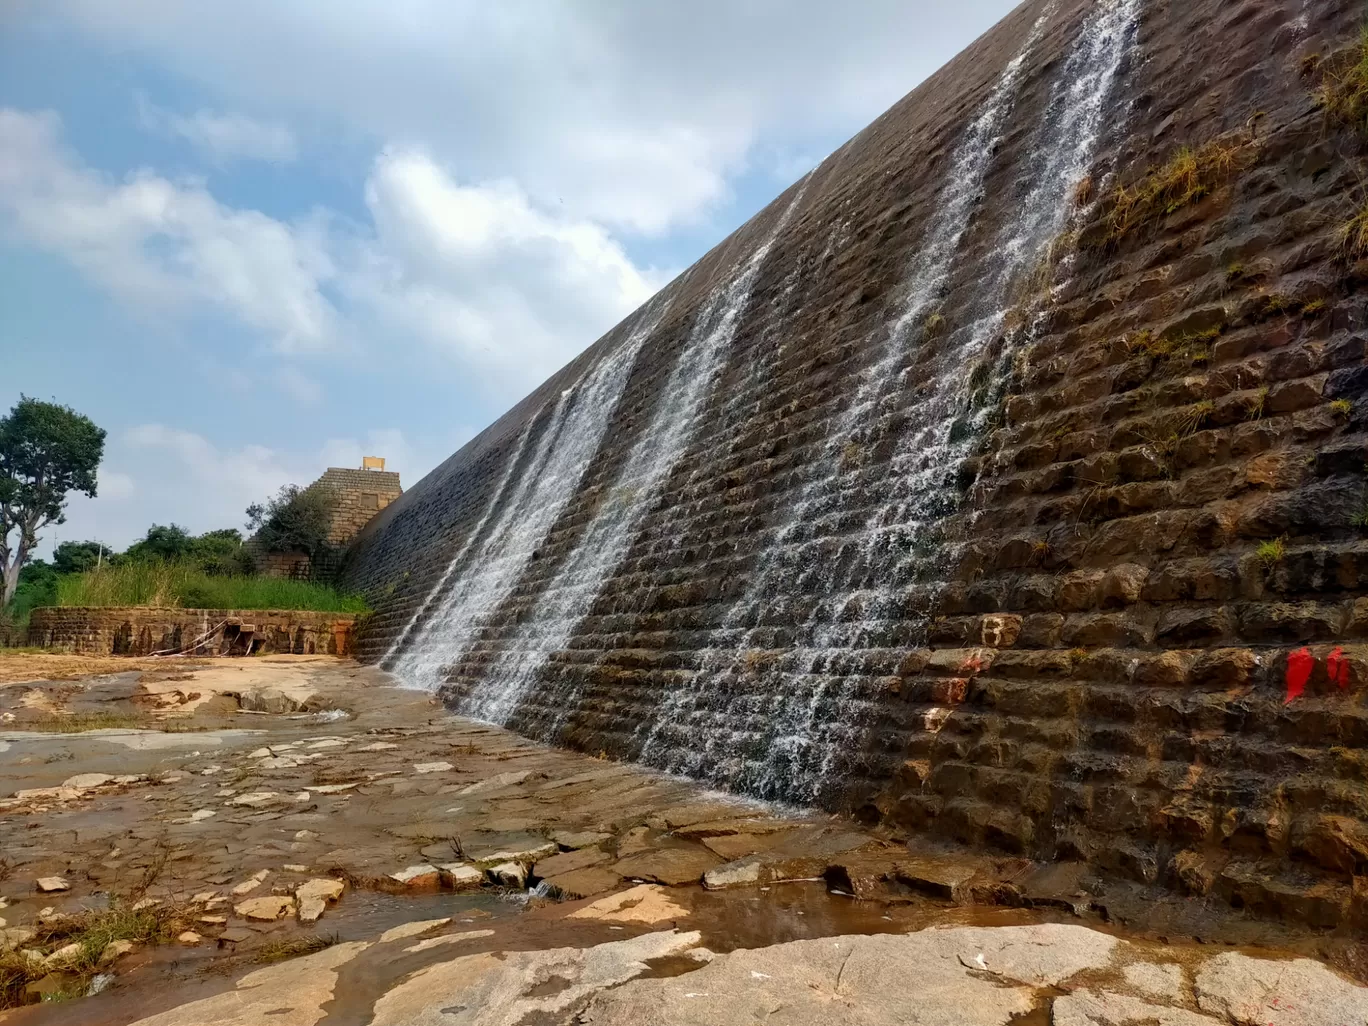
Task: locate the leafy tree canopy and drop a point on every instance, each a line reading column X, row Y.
column 47, row 451
column 293, row 520
column 76, row 557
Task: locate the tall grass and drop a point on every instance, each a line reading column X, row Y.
column 178, row 585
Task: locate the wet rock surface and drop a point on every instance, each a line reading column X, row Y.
column 523, row 880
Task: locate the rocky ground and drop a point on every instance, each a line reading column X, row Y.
column 293, row 841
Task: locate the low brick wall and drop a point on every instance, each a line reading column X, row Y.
column 142, row 630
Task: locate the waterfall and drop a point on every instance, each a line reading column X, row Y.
column 784, row 693
column 489, row 564
column 679, row 409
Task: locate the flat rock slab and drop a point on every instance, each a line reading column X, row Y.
column 641, row 904
column 585, row 883
column 265, row 909
column 571, row 861
column 737, row 846
column 575, row 839
column 931, row 978
column 1090, row 1008
column 673, row 867
column 1259, row 992
column 520, row 986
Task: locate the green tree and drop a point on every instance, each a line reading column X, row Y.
column 162, row 542
column 293, row 520
column 46, row 452
column 76, row 557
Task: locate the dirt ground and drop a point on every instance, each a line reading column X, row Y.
column 177, row 834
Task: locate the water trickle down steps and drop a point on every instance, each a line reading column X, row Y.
column 781, row 723
column 635, row 489
column 490, row 562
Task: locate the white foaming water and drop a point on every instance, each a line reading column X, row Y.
column 776, row 728
column 679, row 409
column 458, row 560
column 488, row 565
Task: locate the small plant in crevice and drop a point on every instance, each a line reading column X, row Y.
column 1255, row 406
column 935, row 325
column 1314, row 308
column 1352, row 235
column 1187, row 177
column 1343, row 92
column 1195, row 417
column 1360, row 518
column 1342, row 407
column 1270, row 553
column 1276, row 303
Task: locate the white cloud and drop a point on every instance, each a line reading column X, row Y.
column 633, row 114
column 164, row 246
column 477, row 270
column 222, row 138
column 115, row 486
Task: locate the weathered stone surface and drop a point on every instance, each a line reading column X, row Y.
column 290, row 994
column 1104, row 1008
column 585, row 883
column 671, row 866
column 460, row 876
column 314, row 896
column 511, row 988
column 508, row 874
column 571, row 861
column 959, row 977
column 266, row 909
column 1260, row 992
column 741, row 873
column 418, row 878
column 52, row 884
column 407, row 930
column 641, row 904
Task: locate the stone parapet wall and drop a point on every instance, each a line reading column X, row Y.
column 360, row 495
column 1131, row 625
column 142, row 630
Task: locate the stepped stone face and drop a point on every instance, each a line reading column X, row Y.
column 939, row 494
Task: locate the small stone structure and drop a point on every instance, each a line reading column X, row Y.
column 357, row 495
column 143, row 630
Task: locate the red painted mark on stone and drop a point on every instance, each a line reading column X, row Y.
column 974, row 664
column 1299, row 666
column 1337, row 667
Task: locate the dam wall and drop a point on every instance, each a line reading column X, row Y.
column 1001, row 481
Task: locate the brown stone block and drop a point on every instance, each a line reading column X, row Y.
column 1338, row 843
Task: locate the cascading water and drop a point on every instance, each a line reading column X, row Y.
column 488, row 566
column 570, row 594
column 834, row 580
column 458, row 560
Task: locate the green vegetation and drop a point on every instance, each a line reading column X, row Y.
column 92, row 931
column 294, row 520
column 1257, row 404
column 46, row 452
column 1194, row 417
column 1343, row 93
column 1353, row 235
column 1191, row 347
column 1360, row 519
column 1271, row 553
column 1189, row 176
column 1314, row 308
column 1343, row 407
column 187, row 585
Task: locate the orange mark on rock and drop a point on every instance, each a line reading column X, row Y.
column 1299, row 666
column 1337, row 668
column 974, row 664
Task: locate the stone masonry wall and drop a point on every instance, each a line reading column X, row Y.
column 1138, row 634
column 142, row 630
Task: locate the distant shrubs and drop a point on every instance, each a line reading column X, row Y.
column 180, row 584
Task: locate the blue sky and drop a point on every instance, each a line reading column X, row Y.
column 253, row 240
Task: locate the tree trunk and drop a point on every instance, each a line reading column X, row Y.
column 10, row 575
